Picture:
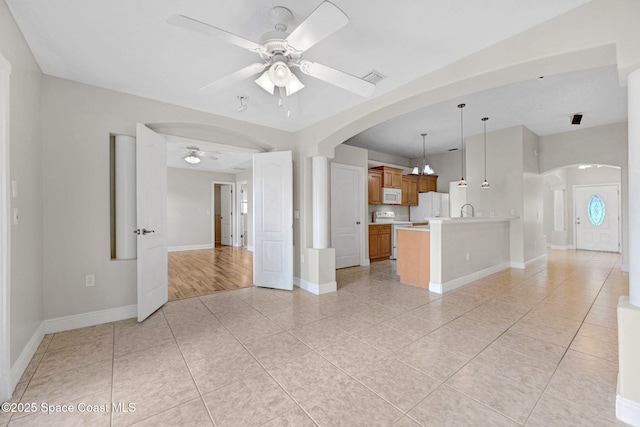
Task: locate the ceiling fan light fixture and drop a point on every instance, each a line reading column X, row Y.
column 192, row 159
column 264, row 81
column 294, row 85
column 280, row 74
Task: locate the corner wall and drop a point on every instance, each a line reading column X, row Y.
column 25, row 138
column 189, row 209
column 77, row 122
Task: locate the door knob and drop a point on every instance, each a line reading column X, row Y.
column 145, row 231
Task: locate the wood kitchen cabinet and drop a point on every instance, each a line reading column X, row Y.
column 409, row 190
column 375, row 187
column 391, row 177
column 428, row 183
column 379, row 241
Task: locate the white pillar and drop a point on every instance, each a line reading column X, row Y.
column 634, row 187
column 320, row 194
column 125, row 197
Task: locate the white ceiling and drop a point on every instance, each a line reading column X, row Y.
column 544, row 105
column 215, row 157
column 128, row 46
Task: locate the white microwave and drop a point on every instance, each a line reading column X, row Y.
column 391, row 196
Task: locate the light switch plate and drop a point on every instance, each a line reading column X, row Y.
column 14, row 188
column 16, row 216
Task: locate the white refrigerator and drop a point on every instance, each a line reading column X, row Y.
column 430, row 205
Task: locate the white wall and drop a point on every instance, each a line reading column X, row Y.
column 26, row 313
column 448, row 168
column 533, row 208
column 77, row 122
column 189, row 219
column 567, row 178
column 605, row 145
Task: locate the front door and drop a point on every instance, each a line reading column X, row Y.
column 226, row 214
column 273, row 220
column 151, row 187
column 597, row 218
column 346, row 204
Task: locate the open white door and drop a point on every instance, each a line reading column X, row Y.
column 273, row 220
column 151, row 187
column 346, row 206
column 226, row 214
column 597, row 217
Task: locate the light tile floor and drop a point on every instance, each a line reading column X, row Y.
column 535, row 347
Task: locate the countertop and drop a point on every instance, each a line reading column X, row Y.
column 421, row 228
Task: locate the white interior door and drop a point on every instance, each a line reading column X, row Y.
column 597, row 218
column 226, row 214
column 346, row 206
column 151, row 187
column 273, row 220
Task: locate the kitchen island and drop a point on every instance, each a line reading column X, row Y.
column 460, row 250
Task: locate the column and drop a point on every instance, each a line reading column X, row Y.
column 634, row 187
column 320, row 196
column 628, row 397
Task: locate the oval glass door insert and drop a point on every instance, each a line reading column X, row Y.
column 596, row 210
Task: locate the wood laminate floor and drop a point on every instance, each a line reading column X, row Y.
column 198, row 273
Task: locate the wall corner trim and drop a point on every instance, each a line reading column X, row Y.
column 20, row 366
column 316, row 288
column 627, row 411
column 92, row 318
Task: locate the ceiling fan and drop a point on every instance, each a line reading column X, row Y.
column 194, row 155
column 281, row 51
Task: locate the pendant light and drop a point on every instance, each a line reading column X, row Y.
column 485, row 183
column 462, row 182
column 424, row 168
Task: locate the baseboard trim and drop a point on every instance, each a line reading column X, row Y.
column 519, row 265
column 26, row 355
column 92, row 318
column 560, row 247
column 365, row 263
column 250, row 248
column 189, row 248
column 441, row 288
column 624, row 268
column 315, row 288
column 627, row 411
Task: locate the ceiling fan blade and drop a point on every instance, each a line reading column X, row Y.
column 339, row 78
column 325, row 20
column 232, row 78
column 209, row 30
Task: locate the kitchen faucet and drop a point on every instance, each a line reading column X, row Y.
column 462, row 210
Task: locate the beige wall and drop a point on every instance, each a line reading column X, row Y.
column 605, row 145
column 26, row 306
column 189, row 205
column 76, row 128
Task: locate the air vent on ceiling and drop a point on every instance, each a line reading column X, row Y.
column 374, row 77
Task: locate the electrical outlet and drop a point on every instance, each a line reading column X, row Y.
column 89, row 280
column 467, row 256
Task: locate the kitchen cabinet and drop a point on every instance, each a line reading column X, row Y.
column 391, row 177
column 379, row 241
column 375, row 187
column 409, row 190
column 428, row 183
